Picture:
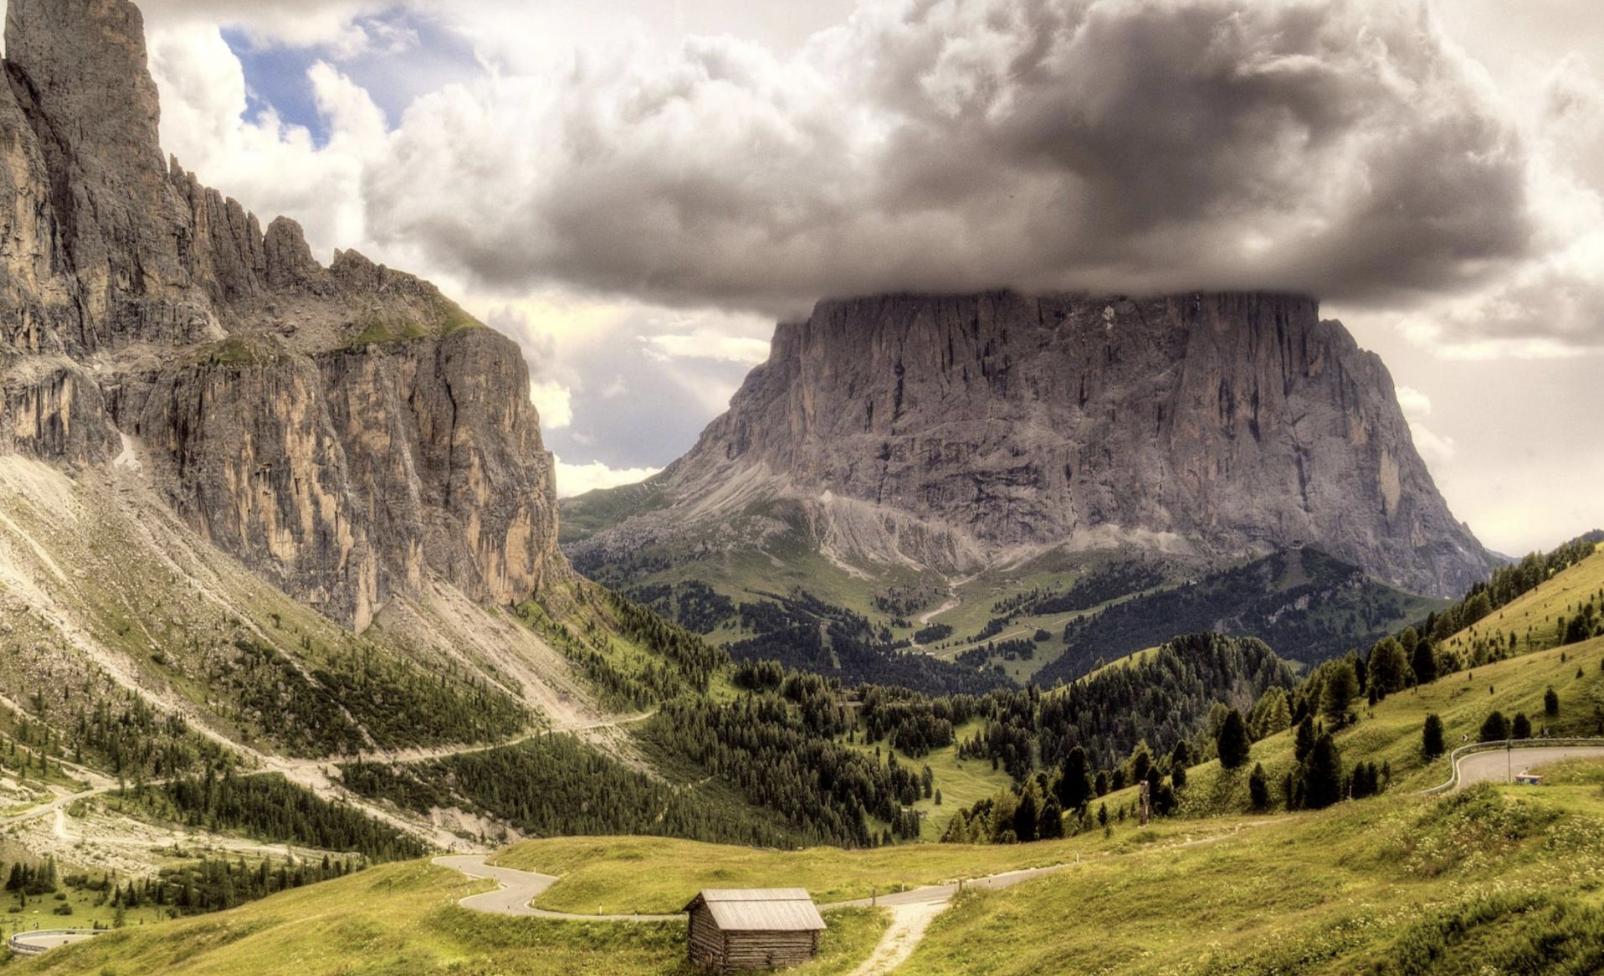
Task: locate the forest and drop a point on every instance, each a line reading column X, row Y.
column 270, row 808
column 779, row 747
column 557, row 785
column 807, row 634
column 1344, row 610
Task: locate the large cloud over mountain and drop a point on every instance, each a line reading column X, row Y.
column 1344, row 148
column 1338, row 148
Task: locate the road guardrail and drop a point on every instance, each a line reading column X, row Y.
column 38, row 942
column 1502, row 745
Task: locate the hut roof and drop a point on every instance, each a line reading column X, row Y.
column 760, row 910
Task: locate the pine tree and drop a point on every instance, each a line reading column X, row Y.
column 1495, row 728
column 1027, row 817
column 1259, row 787
column 1075, row 786
column 1522, row 728
column 1233, row 741
column 1551, row 700
column 1322, row 774
column 1341, row 688
column 1303, row 744
column 1431, row 737
column 1052, row 820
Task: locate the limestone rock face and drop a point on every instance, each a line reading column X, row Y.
column 347, row 432
column 954, row 432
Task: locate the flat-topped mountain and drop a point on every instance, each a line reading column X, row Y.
column 347, row 431
column 956, row 433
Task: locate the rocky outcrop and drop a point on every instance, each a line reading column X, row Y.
column 953, row 432
column 347, row 432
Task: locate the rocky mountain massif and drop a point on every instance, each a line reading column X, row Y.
column 961, row 433
column 255, row 512
column 347, row 432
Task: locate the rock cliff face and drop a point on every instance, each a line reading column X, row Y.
column 347, row 432
column 963, row 431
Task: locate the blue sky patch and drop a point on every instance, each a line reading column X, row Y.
column 408, row 56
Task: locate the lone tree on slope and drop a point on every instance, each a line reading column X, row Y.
column 1233, row 741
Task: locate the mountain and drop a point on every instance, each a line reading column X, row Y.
column 256, row 513
column 347, row 432
column 960, row 433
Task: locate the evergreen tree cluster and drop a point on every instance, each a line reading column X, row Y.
column 911, row 723
column 558, row 785
column 1509, row 583
column 1345, row 609
column 271, row 808
column 1109, row 583
column 325, row 709
column 1162, row 699
column 126, row 736
column 692, row 604
column 780, row 752
column 694, row 658
column 622, row 680
column 219, row 884
column 805, row 633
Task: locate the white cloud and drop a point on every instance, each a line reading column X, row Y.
column 1436, row 450
column 272, row 167
column 577, row 479
column 1415, row 404
column 728, row 349
column 555, row 404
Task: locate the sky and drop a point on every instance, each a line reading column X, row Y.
column 636, row 190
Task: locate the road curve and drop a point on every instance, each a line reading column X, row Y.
column 519, row 888
column 1499, row 765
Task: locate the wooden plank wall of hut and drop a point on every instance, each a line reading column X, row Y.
column 767, row 950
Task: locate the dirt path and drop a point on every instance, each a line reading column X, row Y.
column 911, row 911
column 310, row 773
column 908, row 925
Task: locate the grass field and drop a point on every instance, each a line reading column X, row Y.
column 1496, row 880
column 1489, row 882
column 962, row 782
column 402, row 920
column 651, row 875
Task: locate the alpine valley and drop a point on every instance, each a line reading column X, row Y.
column 1033, row 486
column 1024, row 634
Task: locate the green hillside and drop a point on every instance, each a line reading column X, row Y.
column 1495, row 877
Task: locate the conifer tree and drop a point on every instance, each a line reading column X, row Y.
column 1233, row 743
column 1431, row 737
column 1259, row 787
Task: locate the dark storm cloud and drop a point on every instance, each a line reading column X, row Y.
column 1339, row 148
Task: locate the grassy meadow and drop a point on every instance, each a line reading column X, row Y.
column 403, row 920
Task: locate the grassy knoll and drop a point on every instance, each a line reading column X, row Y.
column 1533, row 617
column 1507, row 878
column 649, row 875
column 1390, row 733
column 963, row 782
column 1489, row 881
column 402, row 920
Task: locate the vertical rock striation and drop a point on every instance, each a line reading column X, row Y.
column 347, row 432
column 958, row 431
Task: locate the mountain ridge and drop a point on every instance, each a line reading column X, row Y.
column 347, row 432
column 959, row 432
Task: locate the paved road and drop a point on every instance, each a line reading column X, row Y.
column 1496, row 767
column 519, row 888
column 37, row 943
column 911, row 911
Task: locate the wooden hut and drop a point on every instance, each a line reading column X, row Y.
column 755, row 929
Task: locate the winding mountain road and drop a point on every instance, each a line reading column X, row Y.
column 912, row 911
column 519, row 888
column 1501, row 765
